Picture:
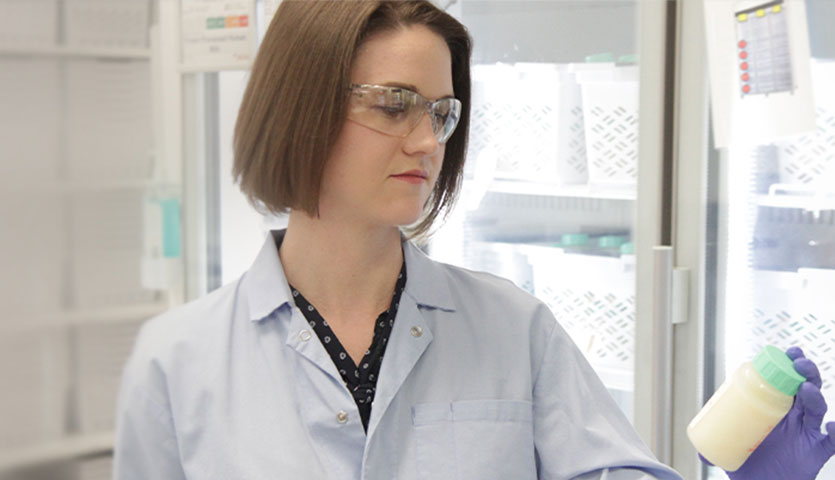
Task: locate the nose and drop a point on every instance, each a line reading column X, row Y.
column 422, row 138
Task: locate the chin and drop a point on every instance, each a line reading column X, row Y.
column 404, row 219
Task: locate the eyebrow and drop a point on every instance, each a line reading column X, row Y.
column 413, row 88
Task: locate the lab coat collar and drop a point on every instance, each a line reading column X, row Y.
column 427, row 281
column 266, row 286
column 268, row 290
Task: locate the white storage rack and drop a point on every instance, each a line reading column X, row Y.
column 554, row 146
column 76, row 82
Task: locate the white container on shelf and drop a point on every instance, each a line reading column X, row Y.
column 107, row 23
column 610, row 118
column 528, row 116
column 795, row 308
column 809, row 160
column 593, row 298
column 25, row 24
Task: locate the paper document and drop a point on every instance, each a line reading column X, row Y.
column 759, row 62
column 217, row 34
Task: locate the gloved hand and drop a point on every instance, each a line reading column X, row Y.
column 796, row 449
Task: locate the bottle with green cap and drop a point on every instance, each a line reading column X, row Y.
column 575, row 243
column 745, row 409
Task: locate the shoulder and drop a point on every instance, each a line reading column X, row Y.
column 185, row 329
column 490, row 296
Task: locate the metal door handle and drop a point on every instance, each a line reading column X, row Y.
column 662, row 353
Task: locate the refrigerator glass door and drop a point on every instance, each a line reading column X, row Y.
column 549, row 192
column 775, row 232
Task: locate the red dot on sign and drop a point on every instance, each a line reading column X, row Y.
column 745, row 77
column 742, row 44
column 743, row 55
column 744, row 65
column 746, row 88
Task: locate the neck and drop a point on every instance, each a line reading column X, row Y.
column 342, row 268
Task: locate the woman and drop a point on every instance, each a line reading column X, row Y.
column 344, row 352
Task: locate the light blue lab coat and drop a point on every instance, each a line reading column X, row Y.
column 478, row 382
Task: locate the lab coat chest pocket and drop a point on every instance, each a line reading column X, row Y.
column 475, row 440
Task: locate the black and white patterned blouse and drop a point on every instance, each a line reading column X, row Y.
column 361, row 379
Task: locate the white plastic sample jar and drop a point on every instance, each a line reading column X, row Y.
column 745, row 409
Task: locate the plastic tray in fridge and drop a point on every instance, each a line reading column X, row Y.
column 809, row 160
column 610, row 117
column 527, row 118
column 795, row 309
column 593, row 298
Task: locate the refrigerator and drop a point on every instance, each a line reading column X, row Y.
column 766, row 206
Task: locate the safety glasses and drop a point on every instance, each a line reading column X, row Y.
column 397, row 111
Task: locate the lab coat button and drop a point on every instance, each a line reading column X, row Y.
column 304, row 335
column 417, row 331
column 342, row 416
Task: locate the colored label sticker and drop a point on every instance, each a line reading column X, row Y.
column 742, row 17
column 744, row 65
column 215, row 22
column 745, row 77
column 761, row 12
column 743, row 44
column 777, row 9
column 743, row 55
column 243, row 20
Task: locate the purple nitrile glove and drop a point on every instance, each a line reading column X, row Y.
column 796, row 449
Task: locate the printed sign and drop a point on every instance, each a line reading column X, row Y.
column 217, row 34
column 760, row 70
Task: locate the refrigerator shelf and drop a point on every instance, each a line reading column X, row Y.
column 60, row 51
column 64, row 449
column 794, row 196
column 554, row 190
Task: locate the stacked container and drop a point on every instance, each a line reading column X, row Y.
column 610, row 116
column 528, row 116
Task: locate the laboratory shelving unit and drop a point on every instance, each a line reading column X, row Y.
column 87, row 160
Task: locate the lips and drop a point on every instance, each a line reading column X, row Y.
column 413, row 173
column 412, row 176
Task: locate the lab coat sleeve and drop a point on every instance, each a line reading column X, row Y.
column 146, row 443
column 579, row 431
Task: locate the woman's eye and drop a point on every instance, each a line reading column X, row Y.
column 392, row 111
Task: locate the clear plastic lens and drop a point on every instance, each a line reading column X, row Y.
column 397, row 111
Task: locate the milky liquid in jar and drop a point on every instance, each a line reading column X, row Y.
column 745, row 409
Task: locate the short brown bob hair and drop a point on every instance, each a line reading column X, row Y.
column 296, row 100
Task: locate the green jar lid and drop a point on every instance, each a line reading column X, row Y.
column 611, row 241
column 631, row 59
column 627, row 248
column 600, row 58
column 777, row 369
column 575, row 240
